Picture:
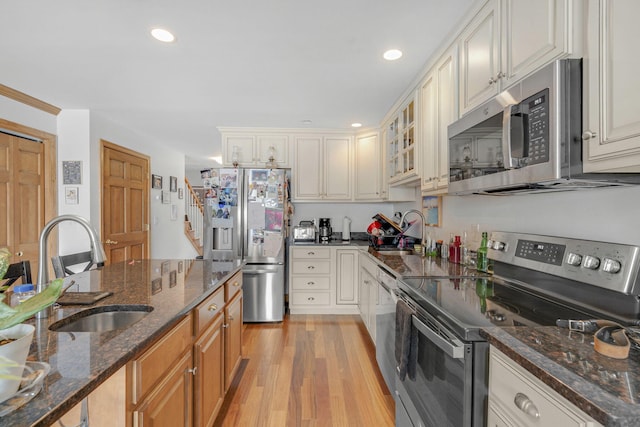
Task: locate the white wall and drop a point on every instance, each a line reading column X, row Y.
column 20, row 113
column 167, row 236
column 611, row 215
column 360, row 213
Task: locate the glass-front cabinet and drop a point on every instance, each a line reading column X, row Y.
column 400, row 139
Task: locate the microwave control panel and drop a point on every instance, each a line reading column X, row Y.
column 530, row 129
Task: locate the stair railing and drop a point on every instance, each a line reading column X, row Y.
column 194, row 212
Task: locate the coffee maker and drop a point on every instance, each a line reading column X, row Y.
column 325, row 230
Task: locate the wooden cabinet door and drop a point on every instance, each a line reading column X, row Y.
column 533, row 34
column 240, row 147
column 273, row 145
column 368, row 170
column 232, row 339
column 308, row 168
column 428, row 121
column 337, row 168
column 347, row 276
column 611, row 120
column 169, row 404
column 480, row 58
column 208, row 381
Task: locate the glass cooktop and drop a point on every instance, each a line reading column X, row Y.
column 466, row 305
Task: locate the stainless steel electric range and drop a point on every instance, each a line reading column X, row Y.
column 536, row 280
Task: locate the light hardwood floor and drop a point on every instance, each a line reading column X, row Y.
column 309, row 370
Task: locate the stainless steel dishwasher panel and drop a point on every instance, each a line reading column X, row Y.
column 263, row 287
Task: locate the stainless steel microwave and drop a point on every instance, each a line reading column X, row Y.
column 526, row 139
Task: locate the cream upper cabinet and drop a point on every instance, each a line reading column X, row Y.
column 611, row 128
column 438, row 109
column 401, row 144
column 368, row 171
column 322, row 169
column 480, row 57
column 509, row 39
column 251, row 148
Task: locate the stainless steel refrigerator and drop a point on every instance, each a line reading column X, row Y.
column 246, row 215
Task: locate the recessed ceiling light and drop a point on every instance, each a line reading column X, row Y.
column 162, row 35
column 306, row 122
column 356, row 125
column 392, row 54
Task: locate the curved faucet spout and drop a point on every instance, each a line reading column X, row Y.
column 415, row 211
column 97, row 251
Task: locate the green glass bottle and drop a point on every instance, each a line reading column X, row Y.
column 482, row 262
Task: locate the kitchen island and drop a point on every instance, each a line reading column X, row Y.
column 81, row 361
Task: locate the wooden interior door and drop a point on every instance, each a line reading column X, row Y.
column 22, row 197
column 125, row 203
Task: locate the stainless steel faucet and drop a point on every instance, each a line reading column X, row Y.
column 404, row 215
column 97, row 252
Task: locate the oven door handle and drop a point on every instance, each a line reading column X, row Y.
column 454, row 350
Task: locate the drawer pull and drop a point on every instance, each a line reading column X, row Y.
column 311, row 283
column 213, row 307
column 311, row 253
column 311, row 299
column 311, row 267
column 526, row 405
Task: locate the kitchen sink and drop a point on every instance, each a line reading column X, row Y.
column 102, row 319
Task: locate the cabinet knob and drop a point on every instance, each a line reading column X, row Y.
column 311, row 299
column 311, row 253
column 236, row 283
column 311, row 283
column 19, row 253
column 110, row 242
column 311, row 267
column 525, row 404
column 225, row 325
column 213, row 307
column 587, row 134
column 193, row 370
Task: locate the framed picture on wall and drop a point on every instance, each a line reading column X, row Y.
column 156, row 182
column 173, row 184
column 432, row 210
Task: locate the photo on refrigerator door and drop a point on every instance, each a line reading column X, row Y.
column 273, row 219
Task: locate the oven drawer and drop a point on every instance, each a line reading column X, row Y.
column 523, row 400
column 310, row 283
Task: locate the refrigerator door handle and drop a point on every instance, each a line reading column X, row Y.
column 254, row 272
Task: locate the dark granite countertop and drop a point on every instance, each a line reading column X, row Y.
column 414, row 265
column 607, row 389
column 82, row 361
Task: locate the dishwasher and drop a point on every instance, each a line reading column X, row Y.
column 386, row 327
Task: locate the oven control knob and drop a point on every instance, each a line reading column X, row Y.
column 611, row 265
column 574, row 259
column 498, row 246
column 591, row 262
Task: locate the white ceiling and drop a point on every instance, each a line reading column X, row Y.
column 235, row 63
